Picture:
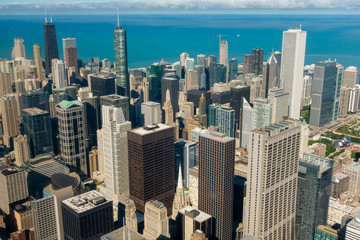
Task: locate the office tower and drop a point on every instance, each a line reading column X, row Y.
column 68, row 42
column 323, row 93
column 237, row 94
column 37, row 127
column 225, row 119
column 344, row 101
column 183, row 58
column 123, row 233
column 216, row 174
column 151, row 165
column 322, row 232
column 177, row 67
column 354, row 99
column 201, row 60
column 106, row 63
column 156, row 73
column 268, row 194
column 247, row 67
column 156, row 221
column 170, row 82
column 71, row 59
column 44, row 219
column 87, row 216
column 189, row 64
column 127, row 214
column 51, row 47
column 36, row 99
column 59, row 73
column 201, row 76
column 217, row 73
column 19, row 48
column 21, row 148
column 102, row 85
column 233, row 69
column 350, row 76
column 262, row 113
column 306, row 92
column 292, row 64
column 179, row 199
column 121, row 62
column 115, row 150
column 14, row 186
column 191, row 80
column 117, row 101
column 223, row 53
column 5, row 84
column 257, row 59
column 239, row 195
column 337, row 91
column 313, row 194
column 9, row 111
column 353, row 171
column 38, row 62
column 211, row 59
column 271, row 72
column 279, row 100
column 151, row 112
column 192, row 220
column 353, row 229
column 247, row 115
column 93, row 115
column 72, row 122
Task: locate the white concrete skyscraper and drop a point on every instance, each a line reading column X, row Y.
column 68, row 42
column 223, row 53
column 19, row 48
column 292, row 68
column 151, row 112
column 115, row 151
column 60, row 78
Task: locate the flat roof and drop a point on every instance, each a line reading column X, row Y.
column 216, row 136
column 86, row 201
column 150, row 129
column 34, row 111
column 150, row 103
column 123, row 233
column 199, row 216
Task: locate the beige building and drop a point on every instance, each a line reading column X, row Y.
column 93, row 161
column 9, row 112
column 21, row 215
column 318, row 149
column 21, row 148
column 156, row 220
column 353, row 171
column 130, row 213
column 5, row 84
column 194, row 186
column 193, row 220
column 38, row 62
column 350, row 76
column 198, row 235
column 270, row 203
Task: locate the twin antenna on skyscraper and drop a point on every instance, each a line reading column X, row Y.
column 46, row 17
column 118, row 21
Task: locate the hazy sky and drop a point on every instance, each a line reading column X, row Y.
column 68, row 6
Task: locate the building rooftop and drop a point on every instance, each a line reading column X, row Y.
column 327, row 230
column 354, row 167
column 150, row 129
column 86, row 201
column 34, row 111
column 67, row 104
column 150, row 103
column 322, row 162
column 8, row 169
column 195, row 214
column 123, row 233
column 157, row 204
column 339, row 176
column 355, row 223
column 113, row 97
column 217, row 136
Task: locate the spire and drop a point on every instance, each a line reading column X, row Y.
column 168, row 95
column 180, row 180
column 118, row 20
column 45, row 16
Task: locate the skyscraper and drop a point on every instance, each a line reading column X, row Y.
column 72, row 122
column 262, row 113
column 313, row 194
column 19, row 48
column 223, row 53
column 37, row 127
column 216, row 180
column 233, row 69
column 21, row 149
column 271, row 73
column 217, row 73
column 121, row 62
column 225, row 119
column 51, row 47
column 38, row 62
column 71, row 59
column 9, row 111
column 192, row 220
column 350, row 76
column 247, row 64
column 257, row 59
column 151, row 165
column 279, row 100
column 247, row 114
column 170, row 82
column 353, row 229
column 237, row 94
column 156, row 221
column 68, row 42
column 59, row 74
column 116, row 101
column 270, row 201
column 5, row 84
column 151, row 112
column 323, row 93
column 115, row 151
column 102, row 85
column 335, row 110
column 292, row 64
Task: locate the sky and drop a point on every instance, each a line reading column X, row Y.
column 180, row 6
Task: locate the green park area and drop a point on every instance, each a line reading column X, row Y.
column 305, row 113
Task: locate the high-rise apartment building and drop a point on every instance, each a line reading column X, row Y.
column 121, row 62
column 51, row 47
column 262, row 113
column 21, row 148
column 279, row 100
column 337, row 91
column 222, row 117
column 67, row 42
column 257, row 59
column 151, row 165
column 59, row 74
column 115, row 151
column 350, row 76
column 247, row 64
column 223, row 53
column 9, row 111
column 323, row 93
column 156, row 221
column 37, row 127
column 151, row 112
column 292, row 68
column 270, row 202
column 19, row 48
column 313, row 194
column 87, row 216
column 5, row 84
column 72, row 122
column 44, row 219
column 216, row 180
column 217, row 73
column 38, row 62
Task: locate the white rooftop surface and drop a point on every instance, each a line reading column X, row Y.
column 355, row 167
column 150, row 103
column 84, row 202
column 199, row 218
column 142, row 131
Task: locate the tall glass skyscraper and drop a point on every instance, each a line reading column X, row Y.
column 51, row 47
column 121, row 69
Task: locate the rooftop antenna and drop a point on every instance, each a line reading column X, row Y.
column 45, row 16
column 300, row 26
column 118, row 21
column 50, row 17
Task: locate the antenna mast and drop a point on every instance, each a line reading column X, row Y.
column 118, row 21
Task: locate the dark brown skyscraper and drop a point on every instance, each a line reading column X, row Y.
column 71, row 58
column 151, row 165
column 257, row 59
column 247, row 64
column 216, row 180
column 51, row 47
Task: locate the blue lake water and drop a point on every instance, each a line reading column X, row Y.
column 153, row 37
